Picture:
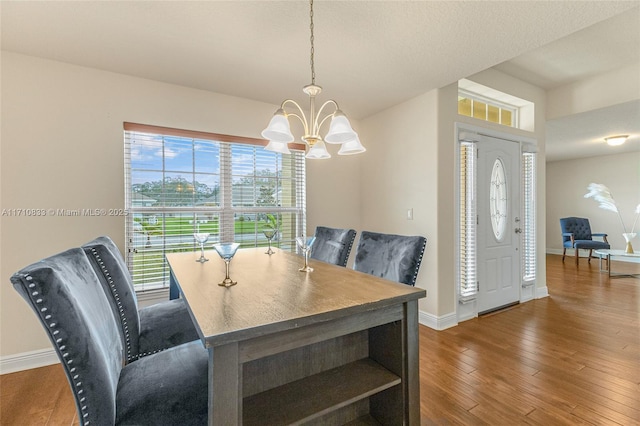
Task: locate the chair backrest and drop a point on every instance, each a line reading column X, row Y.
column 394, row 257
column 112, row 272
column 333, row 245
column 69, row 301
column 578, row 226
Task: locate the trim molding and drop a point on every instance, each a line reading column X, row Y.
column 437, row 323
column 542, row 292
column 28, row 360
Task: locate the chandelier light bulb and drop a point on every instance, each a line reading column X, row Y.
column 616, row 140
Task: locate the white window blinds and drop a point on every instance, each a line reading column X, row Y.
column 179, row 182
column 529, row 216
column 467, row 273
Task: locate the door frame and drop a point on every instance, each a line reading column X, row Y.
column 468, row 308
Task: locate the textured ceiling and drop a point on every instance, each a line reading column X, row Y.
column 369, row 55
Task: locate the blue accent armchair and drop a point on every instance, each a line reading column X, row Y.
column 576, row 234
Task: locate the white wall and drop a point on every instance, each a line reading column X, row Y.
column 567, row 185
column 603, row 90
column 400, row 172
column 411, row 164
column 62, row 147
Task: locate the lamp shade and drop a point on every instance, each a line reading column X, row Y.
column 318, row 151
column 340, row 130
column 616, row 140
column 278, row 129
column 352, row 147
column 280, row 147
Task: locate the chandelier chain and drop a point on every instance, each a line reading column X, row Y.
column 313, row 69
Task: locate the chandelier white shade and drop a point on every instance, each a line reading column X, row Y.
column 280, row 147
column 278, row 129
column 278, row 132
column 352, row 147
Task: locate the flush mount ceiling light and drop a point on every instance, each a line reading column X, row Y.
column 616, row 140
column 278, row 132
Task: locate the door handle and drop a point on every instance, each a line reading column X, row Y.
column 518, row 230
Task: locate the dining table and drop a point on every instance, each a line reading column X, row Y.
column 327, row 346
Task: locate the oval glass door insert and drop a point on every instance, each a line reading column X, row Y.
column 498, row 200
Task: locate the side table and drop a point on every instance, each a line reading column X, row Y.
column 609, row 254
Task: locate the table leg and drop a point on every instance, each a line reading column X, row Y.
column 225, row 386
column 412, row 368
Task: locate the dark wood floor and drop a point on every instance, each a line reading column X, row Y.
column 571, row 358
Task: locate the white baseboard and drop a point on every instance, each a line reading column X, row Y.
column 542, row 292
column 571, row 252
column 437, row 323
column 28, row 360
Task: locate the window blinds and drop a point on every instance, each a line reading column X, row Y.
column 529, row 212
column 468, row 281
column 179, row 182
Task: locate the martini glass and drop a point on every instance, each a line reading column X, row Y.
column 226, row 252
column 305, row 244
column 201, row 238
column 270, row 233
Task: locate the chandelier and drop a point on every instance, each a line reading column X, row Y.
column 278, row 132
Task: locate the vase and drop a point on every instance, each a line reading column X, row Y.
column 628, row 236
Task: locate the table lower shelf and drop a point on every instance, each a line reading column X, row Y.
column 314, row 396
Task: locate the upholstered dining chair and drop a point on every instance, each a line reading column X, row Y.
column 147, row 330
column 576, row 234
column 333, row 245
column 394, row 257
column 169, row 387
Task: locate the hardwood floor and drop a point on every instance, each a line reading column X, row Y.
column 571, row 358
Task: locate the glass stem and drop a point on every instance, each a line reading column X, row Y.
column 226, row 266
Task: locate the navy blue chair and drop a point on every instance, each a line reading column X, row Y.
column 394, row 257
column 169, row 387
column 148, row 330
column 577, row 235
column 333, row 245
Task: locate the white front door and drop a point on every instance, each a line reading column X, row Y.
column 498, row 223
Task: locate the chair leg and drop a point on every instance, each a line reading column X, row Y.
column 577, row 257
column 590, row 252
column 564, row 252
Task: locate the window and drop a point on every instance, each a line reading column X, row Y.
column 179, row 182
column 529, row 216
column 468, row 281
column 476, row 106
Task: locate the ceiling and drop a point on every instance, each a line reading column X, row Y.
column 369, row 55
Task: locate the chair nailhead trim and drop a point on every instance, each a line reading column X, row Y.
column 415, row 276
column 116, row 296
column 61, row 348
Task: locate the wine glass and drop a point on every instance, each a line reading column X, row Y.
column 270, row 233
column 201, row 237
column 226, row 252
column 305, row 244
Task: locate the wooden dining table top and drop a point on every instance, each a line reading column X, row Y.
column 271, row 295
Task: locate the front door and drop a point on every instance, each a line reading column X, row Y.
column 498, row 223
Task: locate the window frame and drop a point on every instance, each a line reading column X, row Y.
column 224, row 214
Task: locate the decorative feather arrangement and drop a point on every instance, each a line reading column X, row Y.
column 605, row 200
